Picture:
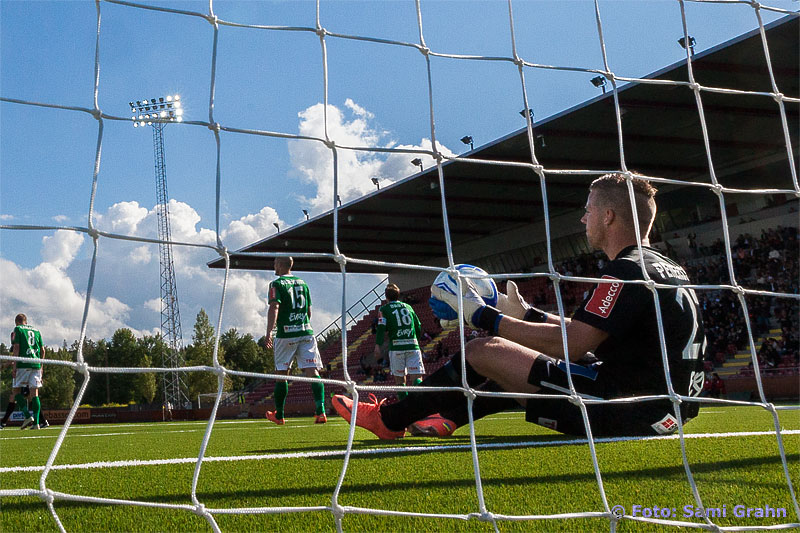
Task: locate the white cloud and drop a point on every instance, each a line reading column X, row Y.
column 250, row 228
column 313, row 161
column 60, row 218
column 140, row 255
column 153, row 304
column 48, row 296
column 60, row 249
column 357, row 109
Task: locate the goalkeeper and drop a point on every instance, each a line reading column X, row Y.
column 613, row 341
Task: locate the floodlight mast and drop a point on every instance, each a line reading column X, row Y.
column 157, row 113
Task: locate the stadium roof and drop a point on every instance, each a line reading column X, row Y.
column 662, row 134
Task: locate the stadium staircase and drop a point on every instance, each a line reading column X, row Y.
column 738, row 364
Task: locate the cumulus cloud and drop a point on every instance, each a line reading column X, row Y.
column 48, row 296
column 61, row 248
column 250, row 228
column 153, row 304
column 140, row 255
column 352, row 127
column 60, row 218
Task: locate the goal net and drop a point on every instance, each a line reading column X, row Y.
column 332, row 46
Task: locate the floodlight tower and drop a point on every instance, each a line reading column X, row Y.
column 157, row 113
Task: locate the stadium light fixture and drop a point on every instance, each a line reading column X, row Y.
column 339, row 200
column 305, row 212
column 527, row 112
column 599, row 81
column 417, row 162
column 376, row 182
column 540, row 138
column 163, row 109
column 692, row 42
column 277, row 227
column 467, row 139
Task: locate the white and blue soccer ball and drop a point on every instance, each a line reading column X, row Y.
column 486, row 287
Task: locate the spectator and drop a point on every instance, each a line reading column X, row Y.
column 717, row 388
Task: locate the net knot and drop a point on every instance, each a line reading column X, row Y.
column 94, row 233
column 337, row 510
column 329, row 144
column 574, row 399
column 424, row 50
column 83, row 368
column 340, row 259
column 222, row 250
column 650, row 284
column 694, row 86
column 738, row 290
column 200, row 510
column 486, row 516
column 321, row 32
column 778, row 97
column 47, row 496
column 96, row 113
column 215, row 127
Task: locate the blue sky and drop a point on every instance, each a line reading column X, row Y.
column 271, row 81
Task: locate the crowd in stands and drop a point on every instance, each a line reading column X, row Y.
column 768, row 263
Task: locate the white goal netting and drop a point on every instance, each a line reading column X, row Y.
column 318, row 29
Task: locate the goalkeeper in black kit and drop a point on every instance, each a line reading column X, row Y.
column 613, row 341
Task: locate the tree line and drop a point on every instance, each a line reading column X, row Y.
column 125, row 350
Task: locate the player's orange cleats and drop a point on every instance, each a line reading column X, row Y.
column 368, row 415
column 271, row 417
column 433, row 426
column 320, row 419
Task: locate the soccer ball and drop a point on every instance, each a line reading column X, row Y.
column 485, row 286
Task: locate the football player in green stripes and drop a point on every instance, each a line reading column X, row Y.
column 290, row 311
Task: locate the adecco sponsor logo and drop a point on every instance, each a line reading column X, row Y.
column 604, row 297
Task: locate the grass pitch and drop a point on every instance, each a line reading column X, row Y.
column 525, row 470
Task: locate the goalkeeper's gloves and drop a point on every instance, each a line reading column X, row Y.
column 514, row 305
column 476, row 313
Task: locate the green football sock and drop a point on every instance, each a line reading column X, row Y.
column 402, row 394
column 37, row 409
column 318, row 390
column 417, row 381
column 281, row 391
column 23, row 404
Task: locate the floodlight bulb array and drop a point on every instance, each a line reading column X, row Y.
column 164, row 108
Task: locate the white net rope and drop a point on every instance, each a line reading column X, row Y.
column 482, row 512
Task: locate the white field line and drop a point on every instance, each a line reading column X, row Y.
column 38, row 434
column 381, row 451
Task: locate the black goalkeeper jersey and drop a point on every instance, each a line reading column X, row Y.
column 631, row 355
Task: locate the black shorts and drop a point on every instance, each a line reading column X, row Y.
column 607, row 420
